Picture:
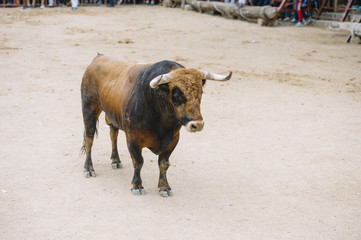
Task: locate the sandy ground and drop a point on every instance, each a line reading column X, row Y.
column 279, row 157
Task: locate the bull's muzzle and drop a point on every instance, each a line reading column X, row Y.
column 194, row 126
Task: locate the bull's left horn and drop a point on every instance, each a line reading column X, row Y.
column 217, row 77
column 161, row 79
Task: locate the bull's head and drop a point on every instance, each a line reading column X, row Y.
column 185, row 92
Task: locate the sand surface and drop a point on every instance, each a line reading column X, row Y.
column 279, row 157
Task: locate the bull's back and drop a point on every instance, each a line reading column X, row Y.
column 110, row 82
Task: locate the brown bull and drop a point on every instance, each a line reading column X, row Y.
column 149, row 102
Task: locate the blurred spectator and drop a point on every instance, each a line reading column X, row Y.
column 302, row 17
column 111, row 3
column 241, row 3
column 74, row 4
column 33, row 4
column 261, row 2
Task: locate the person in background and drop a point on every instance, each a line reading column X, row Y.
column 287, row 15
column 302, row 18
column 111, row 3
column 239, row 4
column 149, row 2
column 261, row 2
column 33, row 4
column 74, row 4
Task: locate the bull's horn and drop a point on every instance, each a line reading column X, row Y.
column 161, row 79
column 217, row 77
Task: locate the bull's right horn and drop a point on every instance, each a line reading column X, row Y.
column 217, row 77
column 161, row 79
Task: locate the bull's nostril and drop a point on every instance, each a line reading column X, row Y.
column 195, row 126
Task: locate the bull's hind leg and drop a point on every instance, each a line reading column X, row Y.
column 91, row 112
column 114, row 138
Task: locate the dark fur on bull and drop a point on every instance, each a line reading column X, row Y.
column 149, row 102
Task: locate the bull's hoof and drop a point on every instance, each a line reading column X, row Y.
column 89, row 173
column 166, row 193
column 138, row 191
column 117, row 165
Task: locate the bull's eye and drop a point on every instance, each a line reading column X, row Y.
column 178, row 97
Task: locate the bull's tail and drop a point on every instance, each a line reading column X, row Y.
column 82, row 150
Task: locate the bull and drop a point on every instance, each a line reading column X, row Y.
column 149, row 102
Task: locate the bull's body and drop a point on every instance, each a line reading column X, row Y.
column 151, row 117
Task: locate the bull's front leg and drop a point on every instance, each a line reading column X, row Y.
column 136, row 154
column 163, row 163
column 163, row 186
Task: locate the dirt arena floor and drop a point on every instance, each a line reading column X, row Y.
column 279, row 157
